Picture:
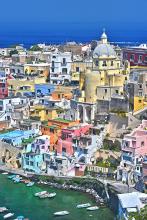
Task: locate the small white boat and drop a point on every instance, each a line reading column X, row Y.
column 30, row 184
column 92, row 208
column 41, row 193
column 47, row 195
column 9, row 215
column 5, row 173
column 3, row 209
column 61, row 213
column 51, row 195
column 85, row 205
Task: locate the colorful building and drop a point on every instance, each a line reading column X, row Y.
column 53, row 129
column 65, row 142
column 107, row 72
column 134, row 148
column 3, row 85
column 137, row 55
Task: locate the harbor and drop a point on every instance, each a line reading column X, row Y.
column 21, row 200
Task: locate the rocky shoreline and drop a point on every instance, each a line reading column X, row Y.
column 90, row 192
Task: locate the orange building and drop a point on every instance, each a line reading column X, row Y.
column 53, row 129
column 62, row 92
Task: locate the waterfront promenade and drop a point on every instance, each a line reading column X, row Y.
column 116, row 185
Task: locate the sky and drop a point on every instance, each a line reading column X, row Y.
column 44, row 14
column 67, row 20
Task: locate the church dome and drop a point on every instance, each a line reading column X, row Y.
column 104, row 50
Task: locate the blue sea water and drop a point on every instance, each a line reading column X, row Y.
column 62, row 34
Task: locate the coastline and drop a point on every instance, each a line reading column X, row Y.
column 55, row 183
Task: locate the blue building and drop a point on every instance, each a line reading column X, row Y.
column 32, row 162
column 16, row 137
column 44, row 89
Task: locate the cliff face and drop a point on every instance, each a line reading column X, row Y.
column 9, row 155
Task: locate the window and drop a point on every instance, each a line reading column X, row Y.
column 52, row 70
column 53, row 63
column 116, row 91
column 111, row 63
column 54, row 57
column 105, row 90
column 140, row 93
column 9, row 101
column 140, row 58
column 46, row 111
column 64, row 60
column 142, row 143
column 139, row 101
column 140, row 86
column 58, row 96
column 104, row 63
column 132, row 57
column 64, row 70
column 77, row 69
column 145, row 59
column 97, row 63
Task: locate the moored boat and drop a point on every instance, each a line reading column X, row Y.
column 92, row 208
column 9, row 215
column 61, row 213
column 47, row 195
column 30, row 184
column 3, row 209
column 11, row 176
column 40, row 193
column 84, row 205
column 20, row 218
column 5, row 173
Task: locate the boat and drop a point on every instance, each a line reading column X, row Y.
column 30, row 184
column 40, row 193
column 9, row 215
column 11, row 176
column 47, row 195
column 84, row 205
column 20, row 218
column 61, row 213
column 3, row 209
column 92, row 208
column 5, row 173
column 51, row 195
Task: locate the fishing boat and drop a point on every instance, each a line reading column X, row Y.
column 92, row 208
column 9, row 215
column 3, row 209
column 30, row 184
column 61, row 213
column 40, row 193
column 84, row 205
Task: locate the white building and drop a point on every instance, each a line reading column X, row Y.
column 60, row 68
column 14, row 109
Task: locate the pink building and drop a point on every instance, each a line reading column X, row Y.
column 134, row 147
column 65, row 142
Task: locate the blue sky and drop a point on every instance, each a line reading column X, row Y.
column 97, row 13
column 34, row 21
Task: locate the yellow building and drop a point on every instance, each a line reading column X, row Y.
column 107, row 74
column 19, row 86
column 43, row 112
column 42, row 69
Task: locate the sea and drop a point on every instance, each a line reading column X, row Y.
column 62, row 34
column 20, row 200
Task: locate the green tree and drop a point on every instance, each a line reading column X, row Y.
column 35, row 48
column 142, row 215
